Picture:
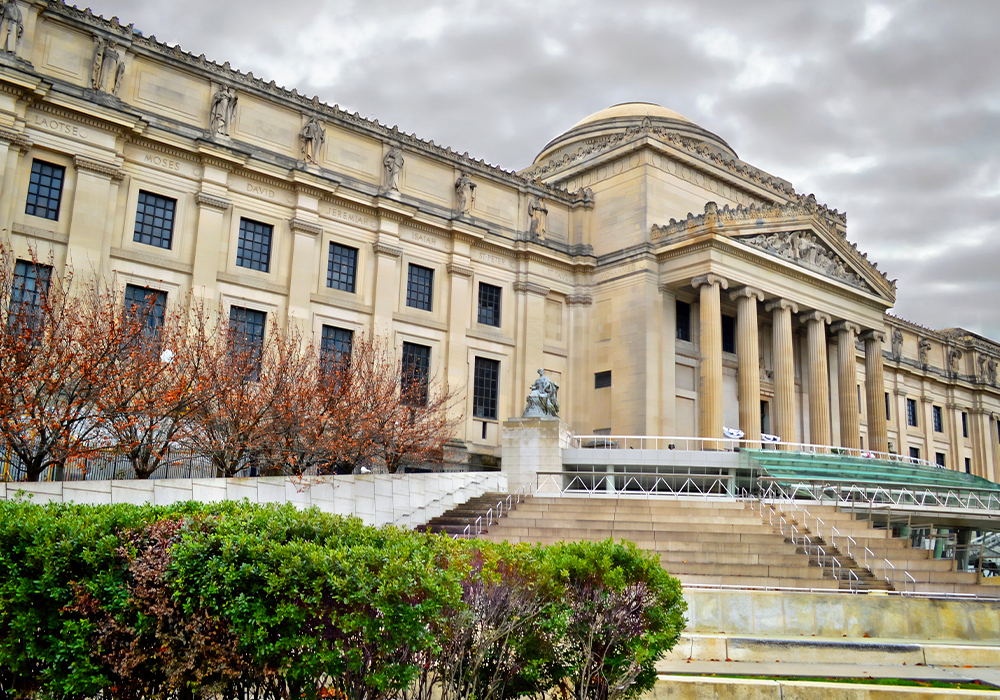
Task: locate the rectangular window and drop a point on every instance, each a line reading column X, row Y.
column 27, row 295
column 146, row 304
column 335, row 345
column 968, row 465
column 939, row 459
column 602, row 380
column 914, row 453
column 860, row 403
column 728, row 334
column 888, row 413
column 246, row 327
column 965, row 424
column 415, row 368
column 485, row 387
column 254, row 249
column 154, row 220
column 45, row 190
column 342, row 267
column 420, row 287
column 938, row 422
column 911, row 412
column 683, row 321
column 489, row 304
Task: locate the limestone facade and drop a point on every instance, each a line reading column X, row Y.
column 669, row 287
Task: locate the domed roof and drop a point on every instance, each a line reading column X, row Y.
column 619, row 118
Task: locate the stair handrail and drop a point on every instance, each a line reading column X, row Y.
column 912, row 580
column 851, row 583
column 834, row 536
column 834, row 566
column 893, row 571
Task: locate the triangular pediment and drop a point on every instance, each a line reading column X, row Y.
column 807, row 249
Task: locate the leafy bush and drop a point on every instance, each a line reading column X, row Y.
column 234, row 600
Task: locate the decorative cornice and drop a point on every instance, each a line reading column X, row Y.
column 490, row 337
column 151, row 259
column 15, row 139
column 387, row 250
column 531, row 288
column 710, row 279
column 43, row 233
column 416, row 320
column 212, row 202
column 459, row 270
column 93, row 166
column 300, row 226
column 579, row 300
column 247, row 281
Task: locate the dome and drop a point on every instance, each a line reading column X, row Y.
column 619, row 118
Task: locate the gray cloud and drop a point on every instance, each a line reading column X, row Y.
column 890, row 110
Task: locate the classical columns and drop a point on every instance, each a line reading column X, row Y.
column 850, row 426
column 784, row 368
column 747, row 349
column 710, row 370
column 818, row 374
column 878, row 432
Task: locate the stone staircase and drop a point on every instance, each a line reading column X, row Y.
column 455, row 520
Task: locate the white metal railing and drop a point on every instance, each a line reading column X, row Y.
column 852, row 493
column 698, row 444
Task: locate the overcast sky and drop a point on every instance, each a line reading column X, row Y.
column 889, row 110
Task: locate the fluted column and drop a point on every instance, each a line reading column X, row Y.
column 784, row 368
column 710, row 369
column 748, row 356
column 847, row 377
column 878, row 431
column 818, row 374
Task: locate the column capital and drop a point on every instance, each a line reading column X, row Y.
column 872, row 334
column 710, row 279
column 781, row 304
column 307, row 227
column 459, row 270
column 748, row 292
column 841, row 326
column 531, row 288
column 815, row 316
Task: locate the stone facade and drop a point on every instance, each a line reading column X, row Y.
column 669, row 287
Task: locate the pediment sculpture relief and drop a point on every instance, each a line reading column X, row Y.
column 806, row 249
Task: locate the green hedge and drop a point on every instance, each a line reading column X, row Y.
column 234, row 600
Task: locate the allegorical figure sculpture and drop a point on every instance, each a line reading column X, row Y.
column 991, row 370
column 536, row 216
column 392, row 166
column 223, row 110
column 923, row 348
column 897, row 344
column 954, row 355
column 11, row 27
column 543, row 398
column 313, row 137
column 465, row 193
column 108, row 66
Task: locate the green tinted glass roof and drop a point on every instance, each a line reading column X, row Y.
column 788, row 467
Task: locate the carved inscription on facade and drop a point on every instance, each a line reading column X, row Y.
column 58, row 127
column 352, row 217
column 162, row 162
column 261, row 191
column 615, row 272
column 426, row 240
column 497, row 260
column 557, row 274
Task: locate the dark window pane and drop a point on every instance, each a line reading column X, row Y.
column 335, row 346
column 911, row 412
column 415, row 369
column 602, row 380
column 965, row 424
column 154, row 220
column 489, row 304
column 148, row 304
column 939, row 459
column 485, row 388
column 938, row 422
column 683, row 321
column 27, row 295
column 420, row 287
column 254, row 249
column 45, row 190
column 728, row 334
column 246, row 327
column 888, row 413
column 914, row 453
column 342, row 267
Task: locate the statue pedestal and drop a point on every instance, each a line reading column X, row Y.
column 530, row 446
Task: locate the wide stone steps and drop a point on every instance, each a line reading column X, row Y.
column 455, row 520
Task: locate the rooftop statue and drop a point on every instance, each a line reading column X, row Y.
column 543, row 398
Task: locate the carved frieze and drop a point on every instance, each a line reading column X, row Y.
column 300, row 226
column 99, row 168
column 805, row 249
column 459, row 270
column 207, row 200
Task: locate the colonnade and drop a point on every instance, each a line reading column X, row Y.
column 818, row 323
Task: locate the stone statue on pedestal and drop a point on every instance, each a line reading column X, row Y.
column 465, row 193
column 223, row 110
column 536, row 217
column 392, row 164
column 313, row 135
column 543, row 398
column 11, row 27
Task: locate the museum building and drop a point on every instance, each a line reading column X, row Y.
column 667, row 286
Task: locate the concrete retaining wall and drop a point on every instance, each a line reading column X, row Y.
column 406, row 500
column 787, row 614
column 681, row 688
